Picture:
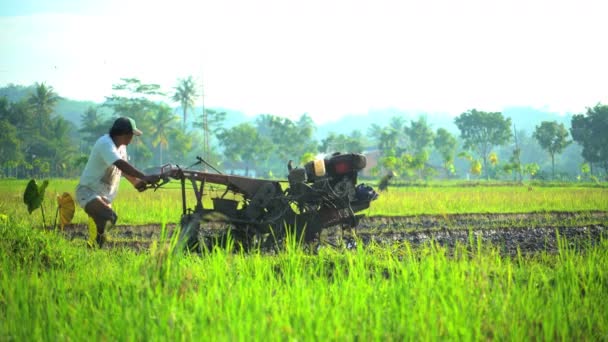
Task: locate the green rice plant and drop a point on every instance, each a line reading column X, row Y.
column 376, row 293
column 437, row 200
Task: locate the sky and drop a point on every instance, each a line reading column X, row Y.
column 321, row 57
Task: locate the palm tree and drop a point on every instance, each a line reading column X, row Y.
column 185, row 94
column 420, row 134
column 43, row 100
column 397, row 123
column 62, row 148
column 389, row 139
column 162, row 120
column 374, row 131
column 92, row 125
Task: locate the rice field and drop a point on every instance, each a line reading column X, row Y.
column 164, row 205
column 53, row 289
column 480, row 199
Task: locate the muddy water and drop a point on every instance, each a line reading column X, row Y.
column 508, row 240
column 510, row 233
column 529, row 232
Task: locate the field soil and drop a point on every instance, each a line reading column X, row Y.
column 510, row 232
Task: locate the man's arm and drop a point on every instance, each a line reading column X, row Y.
column 133, row 174
column 128, row 169
column 132, row 180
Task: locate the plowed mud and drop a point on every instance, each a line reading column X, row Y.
column 511, row 233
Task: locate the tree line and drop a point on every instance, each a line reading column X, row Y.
column 38, row 142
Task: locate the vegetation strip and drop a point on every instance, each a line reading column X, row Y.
column 53, row 289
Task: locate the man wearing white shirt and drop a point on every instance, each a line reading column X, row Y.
column 101, row 176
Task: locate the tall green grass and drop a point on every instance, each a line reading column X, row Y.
column 51, row 289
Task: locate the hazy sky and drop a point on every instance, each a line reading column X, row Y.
column 326, row 58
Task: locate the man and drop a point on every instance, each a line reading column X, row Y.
column 101, row 176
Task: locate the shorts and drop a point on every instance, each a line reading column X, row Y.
column 84, row 195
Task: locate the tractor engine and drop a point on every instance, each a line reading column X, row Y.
column 328, row 187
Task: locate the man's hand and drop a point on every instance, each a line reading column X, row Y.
column 143, row 182
column 151, row 179
column 140, row 186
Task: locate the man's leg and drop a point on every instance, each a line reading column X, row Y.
column 103, row 216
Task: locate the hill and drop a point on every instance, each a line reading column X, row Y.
column 70, row 110
column 524, row 118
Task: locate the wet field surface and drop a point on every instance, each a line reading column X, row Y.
column 508, row 240
column 510, row 233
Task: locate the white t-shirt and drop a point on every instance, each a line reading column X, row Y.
column 100, row 174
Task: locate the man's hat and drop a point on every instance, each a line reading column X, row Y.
column 125, row 125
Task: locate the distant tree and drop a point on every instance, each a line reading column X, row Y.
column 360, row 138
column 291, row 140
column 9, row 114
column 445, row 143
column 416, row 155
column 391, row 139
column 243, row 143
column 342, row 143
column 162, row 119
column 414, row 164
column 397, row 123
column 475, row 166
column 63, row 149
column 481, row 131
column 5, row 109
column 10, row 145
column 374, row 131
column 420, row 135
column 356, row 142
column 21, row 115
column 388, row 141
column 43, row 101
column 264, row 123
column 211, row 122
column 332, row 142
column 531, row 169
column 553, row 138
column 185, row 94
column 135, row 99
column 92, row 126
column 31, row 117
column 303, row 140
column 589, row 130
column 183, row 147
column 134, row 86
column 215, row 121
